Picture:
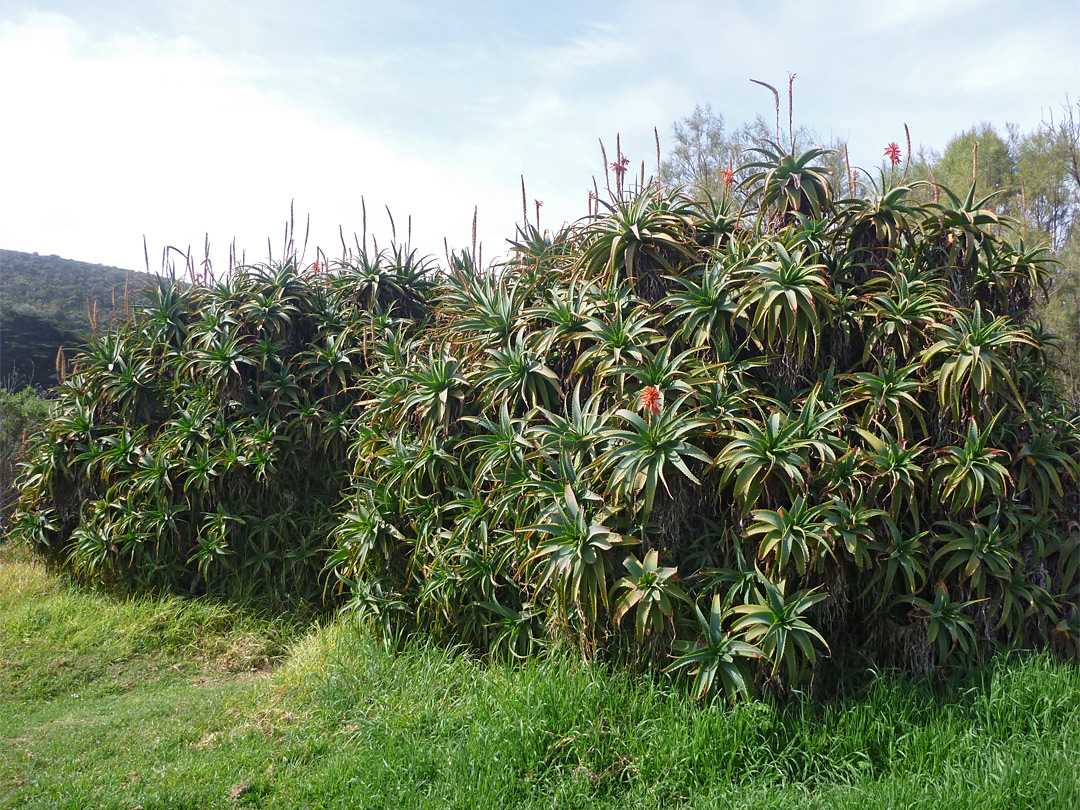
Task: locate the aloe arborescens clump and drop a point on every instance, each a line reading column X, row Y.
column 815, row 425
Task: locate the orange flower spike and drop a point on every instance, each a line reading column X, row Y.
column 650, row 400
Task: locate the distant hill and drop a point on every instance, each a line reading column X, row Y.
column 45, row 303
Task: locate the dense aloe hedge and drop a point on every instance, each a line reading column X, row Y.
column 732, row 436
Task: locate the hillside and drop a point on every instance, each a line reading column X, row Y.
column 44, row 305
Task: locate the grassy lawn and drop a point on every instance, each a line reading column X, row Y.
column 166, row 703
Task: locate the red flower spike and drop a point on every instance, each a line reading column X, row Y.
column 892, row 152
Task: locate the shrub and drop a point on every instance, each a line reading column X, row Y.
column 21, row 413
column 828, row 425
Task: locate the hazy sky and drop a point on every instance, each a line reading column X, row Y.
column 179, row 119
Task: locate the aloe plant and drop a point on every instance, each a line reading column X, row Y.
column 719, row 655
column 638, row 455
column 775, row 621
column 649, row 590
column 573, row 556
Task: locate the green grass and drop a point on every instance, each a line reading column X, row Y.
column 169, row 703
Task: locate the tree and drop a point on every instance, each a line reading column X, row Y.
column 702, row 151
column 1035, row 180
column 709, row 159
column 1047, row 187
column 994, row 166
column 1049, row 163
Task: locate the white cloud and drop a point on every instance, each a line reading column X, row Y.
column 141, row 135
column 911, row 16
column 600, row 45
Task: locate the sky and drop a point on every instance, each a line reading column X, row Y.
column 192, row 120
